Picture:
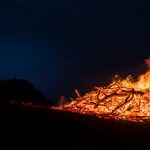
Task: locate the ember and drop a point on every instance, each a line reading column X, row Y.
column 125, row 99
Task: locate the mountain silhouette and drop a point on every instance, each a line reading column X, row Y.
column 21, row 90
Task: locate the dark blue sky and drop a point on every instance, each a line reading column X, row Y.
column 60, row 45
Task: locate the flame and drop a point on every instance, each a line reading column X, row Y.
column 126, row 99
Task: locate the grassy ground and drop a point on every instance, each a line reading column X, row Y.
column 42, row 127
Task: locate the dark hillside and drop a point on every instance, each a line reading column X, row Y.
column 21, row 90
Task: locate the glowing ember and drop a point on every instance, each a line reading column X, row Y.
column 123, row 99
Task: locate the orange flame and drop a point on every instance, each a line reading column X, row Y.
column 122, row 99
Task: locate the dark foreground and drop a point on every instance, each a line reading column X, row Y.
column 52, row 129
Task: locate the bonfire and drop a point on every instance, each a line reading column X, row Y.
column 126, row 99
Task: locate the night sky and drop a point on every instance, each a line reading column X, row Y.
column 61, row 45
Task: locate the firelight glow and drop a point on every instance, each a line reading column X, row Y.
column 123, row 99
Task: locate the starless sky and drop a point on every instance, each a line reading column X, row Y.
column 61, row 45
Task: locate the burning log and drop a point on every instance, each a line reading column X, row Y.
column 124, row 102
column 122, row 99
column 78, row 94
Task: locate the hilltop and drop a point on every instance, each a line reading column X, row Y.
column 21, row 90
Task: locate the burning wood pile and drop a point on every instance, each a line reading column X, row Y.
column 123, row 99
